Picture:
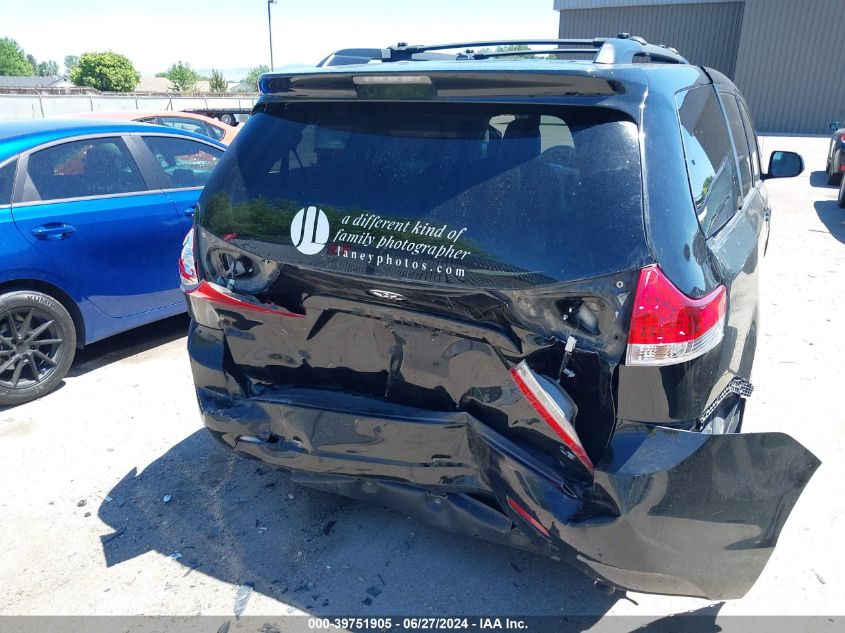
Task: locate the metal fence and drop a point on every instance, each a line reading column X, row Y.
column 38, row 106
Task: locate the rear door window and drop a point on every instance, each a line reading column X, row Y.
column 743, row 152
column 194, row 125
column 182, row 162
column 751, row 136
column 711, row 167
column 78, row 169
column 496, row 194
column 7, row 182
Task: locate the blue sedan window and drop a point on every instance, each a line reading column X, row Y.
column 7, row 179
column 78, row 169
column 183, row 162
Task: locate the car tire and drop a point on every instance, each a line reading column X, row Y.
column 37, row 345
column 833, row 177
column 842, row 194
column 228, row 119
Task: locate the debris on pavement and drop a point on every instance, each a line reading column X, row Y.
column 176, row 555
column 242, row 598
column 81, row 503
column 374, row 591
column 166, row 498
column 367, row 601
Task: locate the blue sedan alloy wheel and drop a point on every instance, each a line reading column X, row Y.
column 37, row 345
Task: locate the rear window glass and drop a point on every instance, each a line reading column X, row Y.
column 497, row 195
column 182, row 162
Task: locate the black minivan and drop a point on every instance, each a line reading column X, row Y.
column 514, row 298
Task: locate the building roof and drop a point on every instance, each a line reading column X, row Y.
column 162, row 84
column 563, row 5
column 34, row 82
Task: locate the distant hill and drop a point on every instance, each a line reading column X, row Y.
column 231, row 74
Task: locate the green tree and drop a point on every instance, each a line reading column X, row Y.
column 70, row 63
column 217, row 82
column 13, row 60
column 47, row 69
column 253, row 75
column 107, row 71
column 182, row 77
column 514, row 48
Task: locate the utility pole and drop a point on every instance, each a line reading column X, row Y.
column 270, row 30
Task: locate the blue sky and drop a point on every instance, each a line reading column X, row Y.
column 232, row 34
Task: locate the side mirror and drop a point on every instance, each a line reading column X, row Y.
column 785, row 165
column 835, row 126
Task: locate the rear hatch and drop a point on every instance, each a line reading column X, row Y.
column 428, row 248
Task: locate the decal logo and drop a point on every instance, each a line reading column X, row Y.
column 309, row 230
column 386, row 294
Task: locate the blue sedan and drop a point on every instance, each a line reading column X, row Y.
column 92, row 216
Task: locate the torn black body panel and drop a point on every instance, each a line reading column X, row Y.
column 665, row 511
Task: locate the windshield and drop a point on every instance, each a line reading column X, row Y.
column 500, row 195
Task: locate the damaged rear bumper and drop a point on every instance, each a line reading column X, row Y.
column 667, row 511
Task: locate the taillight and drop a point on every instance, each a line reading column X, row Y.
column 188, row 276
column 527, row 516
column 220, row 296
column 544, row 403
column 205, row 296
column 667, row 327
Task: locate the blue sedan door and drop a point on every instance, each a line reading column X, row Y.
column 91, row 211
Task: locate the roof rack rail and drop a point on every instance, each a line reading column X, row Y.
column 622, row 49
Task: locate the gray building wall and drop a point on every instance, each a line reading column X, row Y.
column 705, row 33
column 786, row 56
column 791, row 64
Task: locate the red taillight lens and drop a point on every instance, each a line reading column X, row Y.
column 527, row 516
column 545, row 405
column 218, row 295
column 842, row 138
column 668, row 327
column 188, row 276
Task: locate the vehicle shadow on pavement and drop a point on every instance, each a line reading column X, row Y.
column 819, row 179
column 128, row 343
column 832, row 217
column 237, row 521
